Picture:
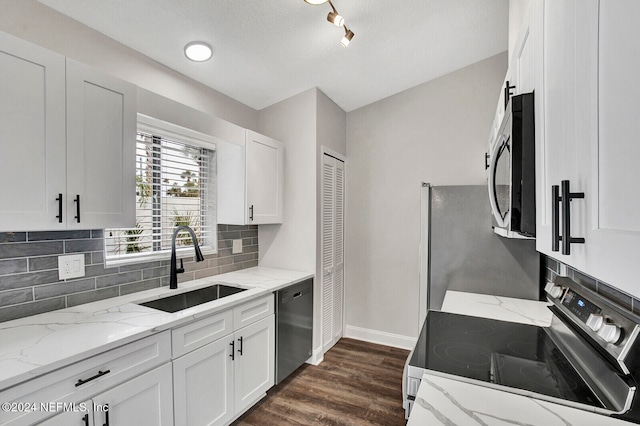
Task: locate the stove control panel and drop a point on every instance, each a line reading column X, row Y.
column 608, row 325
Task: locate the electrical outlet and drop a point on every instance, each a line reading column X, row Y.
column 70, row 266
column 237, row 247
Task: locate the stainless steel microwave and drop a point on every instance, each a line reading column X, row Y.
column 512, row 186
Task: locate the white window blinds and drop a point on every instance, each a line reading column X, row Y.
column 175, row 185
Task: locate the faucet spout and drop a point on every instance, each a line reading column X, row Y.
column 173, row 275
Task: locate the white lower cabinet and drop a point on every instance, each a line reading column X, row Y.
column 142, row 401
column 203, row 385
column 218, row 381
column 254, row 367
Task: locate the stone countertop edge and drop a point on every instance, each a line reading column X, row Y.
column 446, row 401
column 36, row 345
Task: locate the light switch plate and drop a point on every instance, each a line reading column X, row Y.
column 237, row 247
column 71, row 266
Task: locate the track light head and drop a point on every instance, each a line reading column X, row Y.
column 335, row 19
column 348, row 35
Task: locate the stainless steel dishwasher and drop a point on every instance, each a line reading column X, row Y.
column 294, row 327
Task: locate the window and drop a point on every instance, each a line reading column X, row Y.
column 175, row 185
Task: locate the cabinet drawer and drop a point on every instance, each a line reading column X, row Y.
column 197, row 334
column 78, row 382
column 252, row 311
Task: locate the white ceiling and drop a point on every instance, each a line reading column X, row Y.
column 268, row 50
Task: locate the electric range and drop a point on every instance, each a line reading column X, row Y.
column 588, row 358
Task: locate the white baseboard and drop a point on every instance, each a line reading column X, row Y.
column 380, row 337
column 317, row 357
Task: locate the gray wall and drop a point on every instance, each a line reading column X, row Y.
column 303, row 123
column 29, row 269
column 437, row 133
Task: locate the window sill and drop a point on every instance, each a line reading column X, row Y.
column 165, row 255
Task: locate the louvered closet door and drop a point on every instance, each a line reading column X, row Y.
column 332, row 250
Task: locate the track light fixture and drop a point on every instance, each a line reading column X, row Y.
column 348, row 35
column 336, row 19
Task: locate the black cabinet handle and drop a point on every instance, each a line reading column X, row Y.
column 59, row 200
column 240, row 350
column 567, row 196
column 251, row 212
column 100, row 374
column 106, row 415
column 507, row 93
column 77, row 201
column 85, row 419
column 233, row 350
column 555, row 218
column 486, row 160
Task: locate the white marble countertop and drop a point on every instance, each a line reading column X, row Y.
column 522, row 311
column 444, row 401
column 39, row 344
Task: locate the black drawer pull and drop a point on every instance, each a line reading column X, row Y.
column 59, row 200
column 240, row 350
column 85, row 419
column 233, row 350
column 77, row 201
column 566, row 197
column 100, row 374
column 555, row 218
column 106, row 415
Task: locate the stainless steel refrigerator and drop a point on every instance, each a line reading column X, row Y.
column 459, row 250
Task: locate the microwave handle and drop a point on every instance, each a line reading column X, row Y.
column 566, row 197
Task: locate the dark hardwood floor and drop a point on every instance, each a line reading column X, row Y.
column 358, row 383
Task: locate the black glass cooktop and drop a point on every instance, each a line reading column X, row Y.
column 509, row 354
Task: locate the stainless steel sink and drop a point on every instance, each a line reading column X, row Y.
column 191, row 298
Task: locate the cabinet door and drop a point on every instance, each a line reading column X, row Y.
column 254, row 362
column 32, row 135
column 612, row 238
column 203, row 385
column 101, row 138
column 523, row 61
column 77, row 415
column 143, row 401
column 563, row 127
column 265, row 174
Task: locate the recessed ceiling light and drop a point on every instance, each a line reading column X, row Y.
column 316, row 2
column 198, row 51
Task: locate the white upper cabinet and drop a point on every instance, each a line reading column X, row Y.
column 522, row 64
column 591, row 61
column 68, row 142
column 32, row 135
column 251, row 181
column 101, row 132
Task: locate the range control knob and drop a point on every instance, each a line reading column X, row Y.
column 609, row 332
column 595, row 321
column 553, row 290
